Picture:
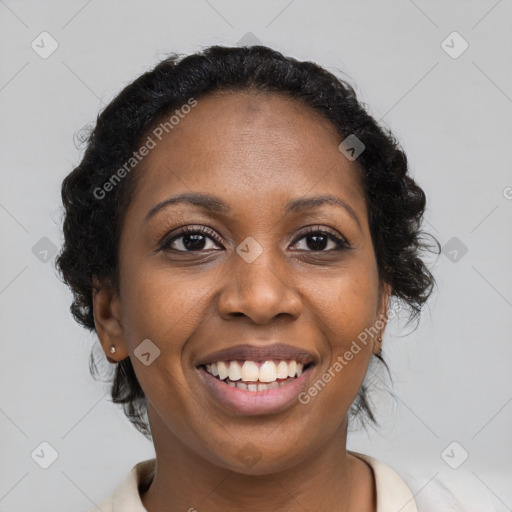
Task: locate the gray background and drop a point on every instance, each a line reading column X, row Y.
column 452, row 378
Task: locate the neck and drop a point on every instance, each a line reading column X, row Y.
column 328, row 478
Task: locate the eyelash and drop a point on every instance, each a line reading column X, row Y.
column 342, row 244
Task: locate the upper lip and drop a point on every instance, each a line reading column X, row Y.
column 257, row 353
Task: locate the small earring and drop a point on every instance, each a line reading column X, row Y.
column 112, row 349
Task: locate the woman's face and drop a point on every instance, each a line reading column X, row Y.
column 255, row 278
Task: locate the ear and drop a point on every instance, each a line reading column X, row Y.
column 382, row 314
column 107, row 315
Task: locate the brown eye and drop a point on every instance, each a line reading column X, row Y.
column 190, row 240
column 318, row 240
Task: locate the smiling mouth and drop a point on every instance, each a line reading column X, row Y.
column 256, row 376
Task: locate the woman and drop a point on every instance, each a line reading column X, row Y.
column 234, row 235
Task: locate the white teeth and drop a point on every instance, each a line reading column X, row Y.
column 282, row 370
column 223, row 370
column 292, row 368
column 241, row 385
column 254, row 387
column 251, row 371
column 235, row 371
column 268, row 372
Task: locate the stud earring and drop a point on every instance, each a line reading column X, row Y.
column 112, row 349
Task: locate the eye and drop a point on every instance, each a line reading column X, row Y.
column 319, row 239
column 190, row 239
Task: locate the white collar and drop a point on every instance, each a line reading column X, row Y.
column 392, row 491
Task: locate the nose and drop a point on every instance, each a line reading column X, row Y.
column 260, row 290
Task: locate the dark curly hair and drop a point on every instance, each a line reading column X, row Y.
column 92, row 224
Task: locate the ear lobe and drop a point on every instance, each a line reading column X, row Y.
column 107, row 315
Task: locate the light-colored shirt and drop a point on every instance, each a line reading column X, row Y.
column 393, row 494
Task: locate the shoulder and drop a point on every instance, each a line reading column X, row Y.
column 126, row 496
column 425, row 491
column 438, row 489
column 105, row 506
column 392, row 492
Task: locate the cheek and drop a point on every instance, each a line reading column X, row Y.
column 163, row 304
column 346, row 306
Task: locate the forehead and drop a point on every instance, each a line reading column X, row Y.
column 250, row 148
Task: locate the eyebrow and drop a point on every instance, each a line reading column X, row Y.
column 214, row 204
column 309, row 203
column 205, row 201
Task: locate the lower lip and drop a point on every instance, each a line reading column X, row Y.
column 268, row 401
